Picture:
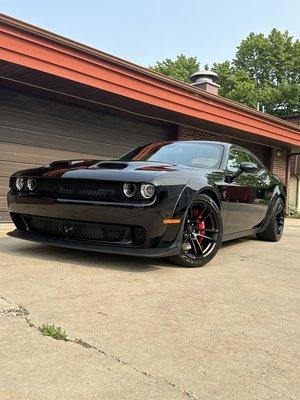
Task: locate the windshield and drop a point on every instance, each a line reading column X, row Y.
column 192, row 154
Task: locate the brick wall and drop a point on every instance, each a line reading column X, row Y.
column 279, row 164
column 187, row 133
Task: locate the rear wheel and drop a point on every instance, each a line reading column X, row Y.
column 274, row 229
column 202, row 233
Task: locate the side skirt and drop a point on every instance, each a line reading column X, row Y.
column 237, row 235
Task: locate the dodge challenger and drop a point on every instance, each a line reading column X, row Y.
column 179, row 200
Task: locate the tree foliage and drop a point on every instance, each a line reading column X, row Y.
column 181, row 68
column 265, row 70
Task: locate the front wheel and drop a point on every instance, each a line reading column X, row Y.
column 202, row 233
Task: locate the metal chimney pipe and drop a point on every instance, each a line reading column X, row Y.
column 206, row 80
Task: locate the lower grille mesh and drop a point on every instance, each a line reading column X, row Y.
column 80, row 230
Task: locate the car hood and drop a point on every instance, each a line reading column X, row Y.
column 110, row 170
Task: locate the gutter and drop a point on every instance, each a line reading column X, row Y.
column 211, row 98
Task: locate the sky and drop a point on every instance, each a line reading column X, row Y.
column 144, row 32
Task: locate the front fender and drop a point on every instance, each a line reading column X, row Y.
column 190, row 192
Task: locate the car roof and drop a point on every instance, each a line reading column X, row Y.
column 203, row 141
column 225, row 144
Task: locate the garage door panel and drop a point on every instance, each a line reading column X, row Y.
column 3, row 181
column 23, row 158
column 38, row 155
column 7, row 168
column 60, row 142
column 77, row 114
column 56, row 126
column 3, row 203
column 3, row 189
column 36, row 130
column 4, row 217
column 65, row 129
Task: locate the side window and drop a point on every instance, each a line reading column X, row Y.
column 236, row 157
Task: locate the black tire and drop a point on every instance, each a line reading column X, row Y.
column 274, row 229
column 202, row 232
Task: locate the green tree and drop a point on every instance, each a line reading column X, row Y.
column 236, row 84
column 265, row 70
column 181, row 68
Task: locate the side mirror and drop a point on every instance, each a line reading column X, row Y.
column 248, row 167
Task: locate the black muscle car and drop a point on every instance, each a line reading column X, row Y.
column 169, row 199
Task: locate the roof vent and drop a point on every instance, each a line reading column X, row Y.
column 206, row 80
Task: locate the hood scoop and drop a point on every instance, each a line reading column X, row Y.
column 110, row 165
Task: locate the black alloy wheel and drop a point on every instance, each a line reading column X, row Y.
column 279, row 219
column 274, row 229
column 202, row 233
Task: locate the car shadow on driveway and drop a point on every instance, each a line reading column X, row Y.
column 39, row 252
column 34, row 251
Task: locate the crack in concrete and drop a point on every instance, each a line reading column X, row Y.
column 15, row 312
column 3, row 298
column 22, row 313
column 87, row 345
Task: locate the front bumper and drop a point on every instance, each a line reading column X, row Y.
column 81, row 245
column 161, row 240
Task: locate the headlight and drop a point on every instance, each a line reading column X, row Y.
column 31, row 184
column 147, row 190
column 129, row 189
column 19, row 183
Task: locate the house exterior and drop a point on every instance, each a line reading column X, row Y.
column 60, row 99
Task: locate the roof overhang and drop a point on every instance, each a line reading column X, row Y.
column 25, row 45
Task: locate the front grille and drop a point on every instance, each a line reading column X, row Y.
column 83, row 230
column 80, row 189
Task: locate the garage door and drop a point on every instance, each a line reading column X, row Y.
column 35, row 130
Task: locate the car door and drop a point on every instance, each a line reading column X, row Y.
column 241, row 195
column 266, row 186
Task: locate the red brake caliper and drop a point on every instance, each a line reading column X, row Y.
column 201, row 225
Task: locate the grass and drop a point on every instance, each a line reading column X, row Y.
column 53, row 331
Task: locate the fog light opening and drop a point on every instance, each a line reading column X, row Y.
column 19, row 183
column 147, row 190
column 129, row 189
column 31, row 184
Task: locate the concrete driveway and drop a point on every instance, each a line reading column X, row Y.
column 143, row 329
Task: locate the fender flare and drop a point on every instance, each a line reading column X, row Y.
column 277, row 194
column 189, row 194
